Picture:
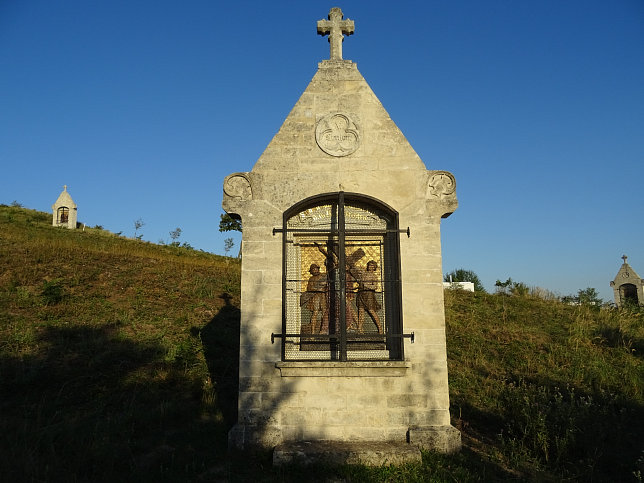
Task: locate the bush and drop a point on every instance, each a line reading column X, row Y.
column 52, row 292
column 462, row 275
column 589, row 296
column 520, row 289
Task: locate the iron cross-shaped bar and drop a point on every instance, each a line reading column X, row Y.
column 335, row 27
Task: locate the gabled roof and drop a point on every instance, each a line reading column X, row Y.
column 626, row 274
column 64, row 199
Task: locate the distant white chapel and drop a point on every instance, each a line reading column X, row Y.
column 65, row 212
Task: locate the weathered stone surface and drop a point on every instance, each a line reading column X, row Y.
column 445, row 439
column 254, row 437
column 343, row 369
column 340, row 453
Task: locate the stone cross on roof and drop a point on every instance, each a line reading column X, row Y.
column 335, row 27
column 624, row 257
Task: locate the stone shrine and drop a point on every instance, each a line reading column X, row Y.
column 65, row 212
column 342, row 331
column 628, row 287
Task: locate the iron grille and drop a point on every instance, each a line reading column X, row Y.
column 341, row 290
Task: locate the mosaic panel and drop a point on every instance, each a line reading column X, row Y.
column 314, row 282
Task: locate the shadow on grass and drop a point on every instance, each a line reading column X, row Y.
column 91, row 404
column 220, row 339
column 548, row 430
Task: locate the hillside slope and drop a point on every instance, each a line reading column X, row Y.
column 119, row 361
column 114, row 353
column 548, row 388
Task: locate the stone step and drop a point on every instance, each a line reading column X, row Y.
column 340, row 453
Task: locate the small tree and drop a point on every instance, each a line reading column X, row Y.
column 502, row 287
column 138, row 224
column 589, row 296
column 462, row 275
column 175, row 234
column 228, row 223
column 229, row 243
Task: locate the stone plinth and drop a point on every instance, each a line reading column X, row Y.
column 339, row 453
column 444, row 439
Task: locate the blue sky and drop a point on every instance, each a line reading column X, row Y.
column 143, row 107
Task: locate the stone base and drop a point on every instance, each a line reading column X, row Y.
column 443, row 439
column 341, row 453
column 243, row 437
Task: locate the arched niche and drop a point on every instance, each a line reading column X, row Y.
column 341, row 280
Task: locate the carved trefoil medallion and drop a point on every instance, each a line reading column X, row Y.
column 338, row 134
column 441, row 184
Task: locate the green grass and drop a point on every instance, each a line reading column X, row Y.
column 552, row 388
column 119, row 362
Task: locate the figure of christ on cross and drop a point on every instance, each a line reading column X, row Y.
column 335, row 27
column 331, row 265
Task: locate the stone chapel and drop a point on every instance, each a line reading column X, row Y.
column 342, row 331
column 64, row 210
column 628, row 287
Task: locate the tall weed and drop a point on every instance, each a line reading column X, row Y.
column 554, row 426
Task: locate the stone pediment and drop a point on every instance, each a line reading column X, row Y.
column 339, row 137
column 64, row 199
column 338, row 121
column 626, row 274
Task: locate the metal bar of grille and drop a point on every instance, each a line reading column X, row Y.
column 343, row 278
column 384, row 280
column 410, row 336
column 352, row 231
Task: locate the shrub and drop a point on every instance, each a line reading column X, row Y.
column 520, row 289
column 588, row 296
column 462, row 275
column 52, row 292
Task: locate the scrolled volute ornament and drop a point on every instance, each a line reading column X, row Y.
column 238, row 186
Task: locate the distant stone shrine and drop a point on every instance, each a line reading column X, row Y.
column 628, row 287
column 342, row 316
column 65, row 210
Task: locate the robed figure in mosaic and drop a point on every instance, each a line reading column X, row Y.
column 368, row 281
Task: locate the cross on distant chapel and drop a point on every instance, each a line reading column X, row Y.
column 335, row 27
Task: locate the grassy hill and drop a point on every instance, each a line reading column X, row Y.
column 118, row 362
